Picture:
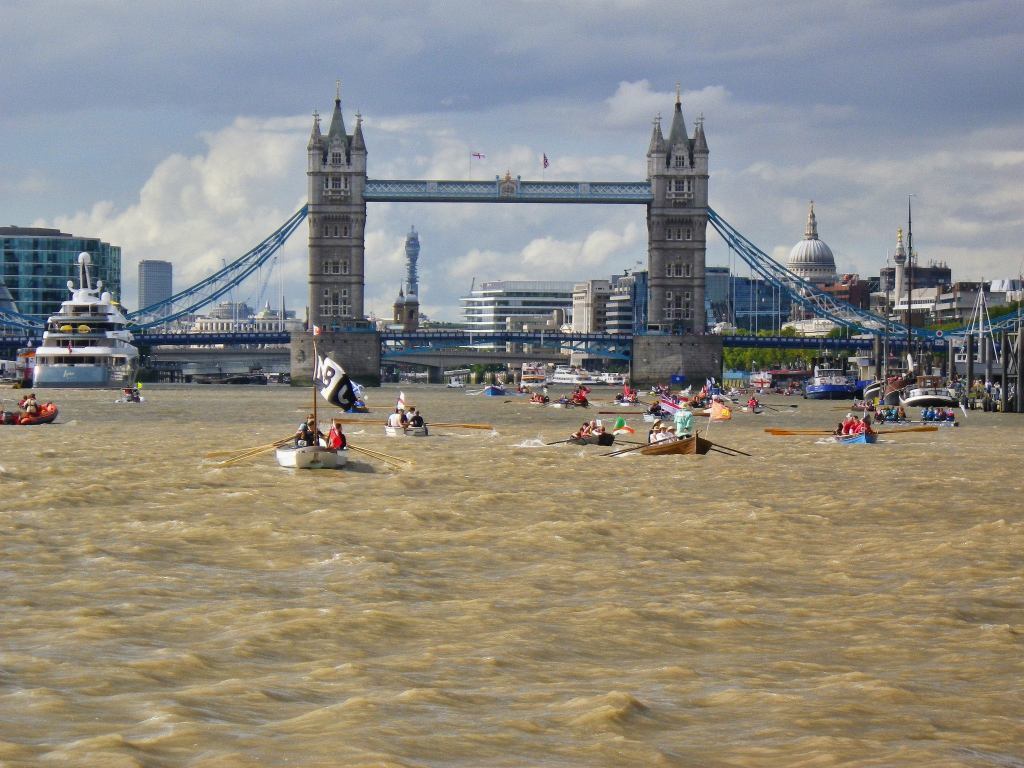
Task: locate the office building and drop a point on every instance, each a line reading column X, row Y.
column 502, row 304
column 37, row 264
column 155, row 283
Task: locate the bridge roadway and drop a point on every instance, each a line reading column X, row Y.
column 454, row 337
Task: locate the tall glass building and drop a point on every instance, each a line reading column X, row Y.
column 155, row 278
column 37, row 264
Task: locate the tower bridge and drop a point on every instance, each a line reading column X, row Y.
column 674, row 192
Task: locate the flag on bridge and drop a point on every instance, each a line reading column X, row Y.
column 479, row 155
column 335, row 385
column 546, row 163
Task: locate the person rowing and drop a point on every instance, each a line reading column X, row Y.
column 416, row 421
column 336, row 439
column 397, row 419
column 308, row 433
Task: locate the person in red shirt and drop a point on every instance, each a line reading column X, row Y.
column 336, row 439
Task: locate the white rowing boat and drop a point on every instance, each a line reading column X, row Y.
column 310, row 457
column 407, row 432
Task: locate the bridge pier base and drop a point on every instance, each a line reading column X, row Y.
column 435, row 374
column 656, row 358
column 357, row 351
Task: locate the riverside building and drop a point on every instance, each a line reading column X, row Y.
column 501, row 304
column 37, row 264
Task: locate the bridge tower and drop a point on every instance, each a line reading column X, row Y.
column 677, row 219
column 336, row 173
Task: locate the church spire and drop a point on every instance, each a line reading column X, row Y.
column 811, row 230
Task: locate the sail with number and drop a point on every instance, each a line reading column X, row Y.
column 334, row 384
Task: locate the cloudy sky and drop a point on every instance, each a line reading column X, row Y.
column 178, row 130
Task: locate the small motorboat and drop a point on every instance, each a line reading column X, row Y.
column 130, row 395
column 46, row 413
column 310, row 457
column 407, row 432
column 494, row 391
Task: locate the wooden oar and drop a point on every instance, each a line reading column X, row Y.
column 253, row 452
column 726, row 447
column 380, row 456
column 879, row 432
column 622, row 413
column 559, row 442
column 221, row 454
column 627, row 450
column 776, row 432
column 461, row 426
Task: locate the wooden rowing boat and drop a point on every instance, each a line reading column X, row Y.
column 686, row 447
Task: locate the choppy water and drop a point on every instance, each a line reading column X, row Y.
column 503, row 603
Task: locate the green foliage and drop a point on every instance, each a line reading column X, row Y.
column 750, row 358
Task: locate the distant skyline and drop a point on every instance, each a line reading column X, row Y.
column 178, row 132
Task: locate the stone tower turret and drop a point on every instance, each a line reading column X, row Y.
column 677, row 168
column 336, row 173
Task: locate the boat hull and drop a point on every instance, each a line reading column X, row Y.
column 47, row 413
column 310, row 457
column 686, row 447
column 407, row 432
column 864, row 438
column 76, row 376
column 927, row 398
column 830, row 391
column 606, row 439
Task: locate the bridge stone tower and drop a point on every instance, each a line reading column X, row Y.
column 336, row 173
column 677, row 220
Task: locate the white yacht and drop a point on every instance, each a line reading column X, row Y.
column 928, row 391
column 87, row 343
column 611, row 379
column 565, row 374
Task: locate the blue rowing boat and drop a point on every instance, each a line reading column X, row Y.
column 864, row 438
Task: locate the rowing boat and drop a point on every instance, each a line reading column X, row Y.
column 407, row 432
column 864, row 438
column 604, row 439
column 310, row 457
column 686, row 447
